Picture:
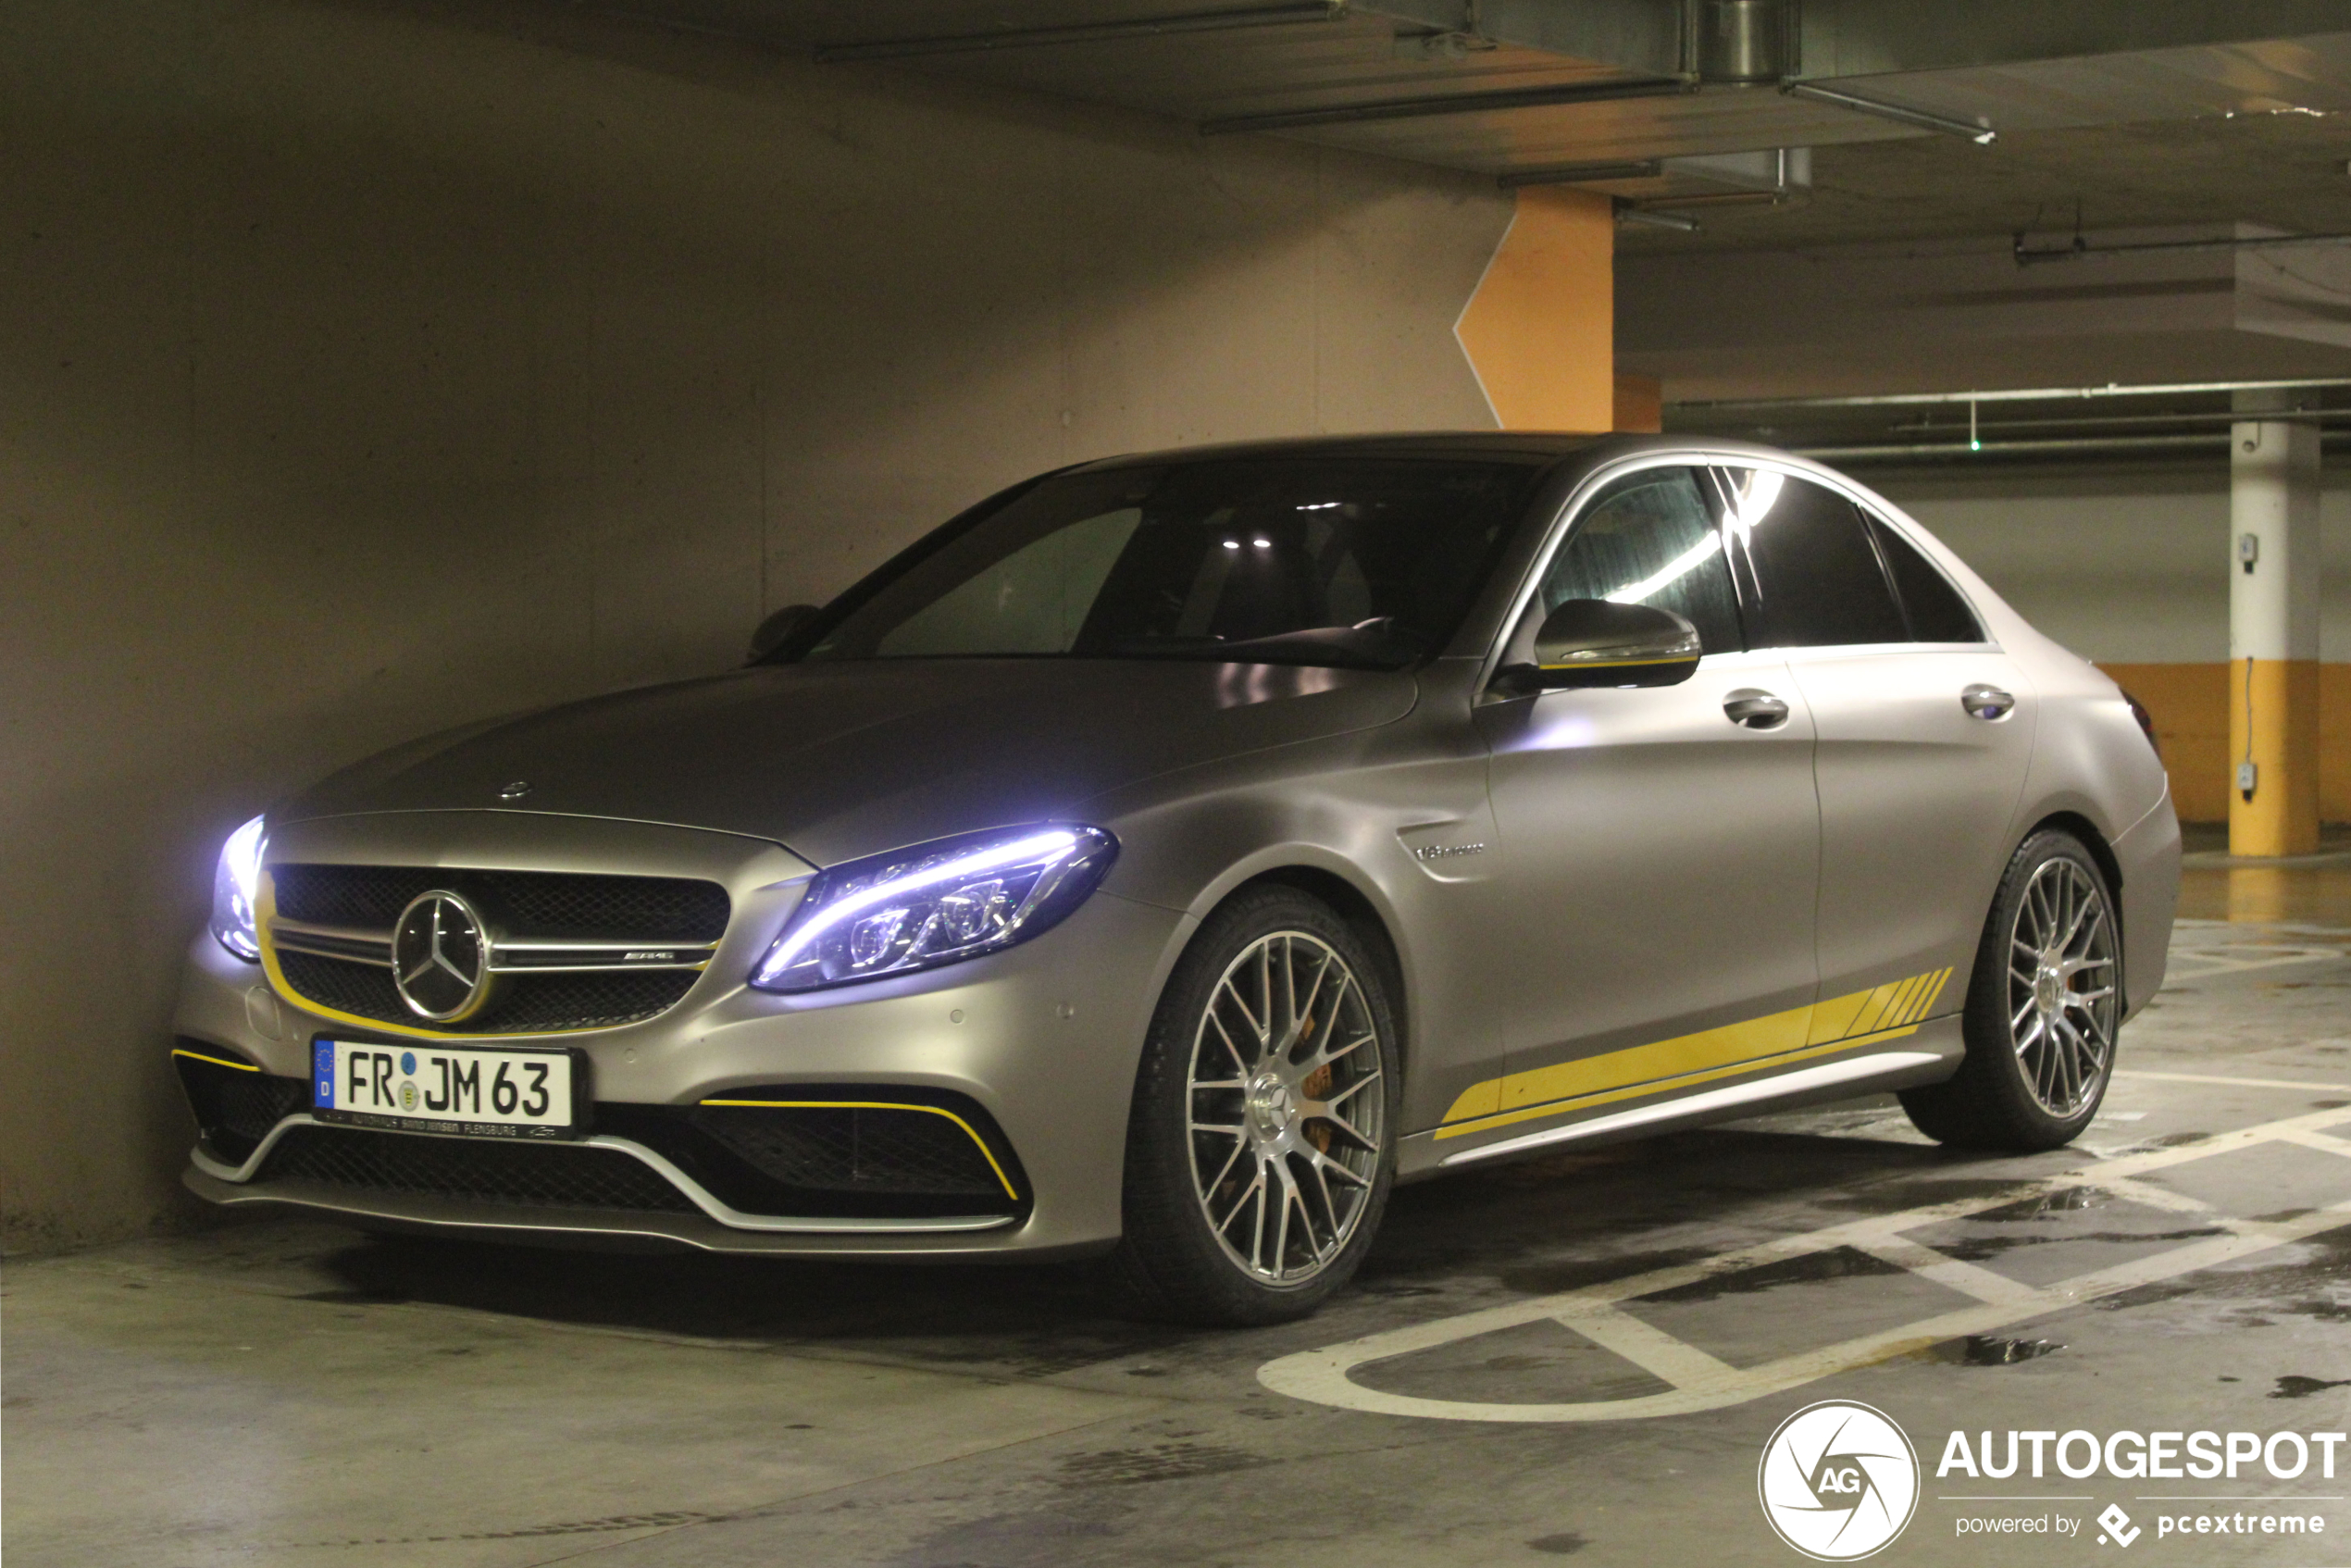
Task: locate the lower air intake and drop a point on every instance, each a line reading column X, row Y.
column 857, row 1149
column 545, row 1176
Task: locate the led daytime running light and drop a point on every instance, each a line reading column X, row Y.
column 1061, row 866
column 236, row 883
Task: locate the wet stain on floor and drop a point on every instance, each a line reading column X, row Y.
column 1836, row 1263
column 1979, row 1248
column 1989, row 1349
column 1161, row 1461
column 1566, row 1543
column 2293, row 1385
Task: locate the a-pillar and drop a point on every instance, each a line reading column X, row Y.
column 2273, row 635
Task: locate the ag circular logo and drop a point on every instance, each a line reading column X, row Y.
column 440, row 957
column 1838, row 1481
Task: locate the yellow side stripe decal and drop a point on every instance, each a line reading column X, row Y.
column 1885, row 1011
column 980, row 1143
column 200, row 1057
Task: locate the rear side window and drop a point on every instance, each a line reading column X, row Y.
column 1817, row 574
column 1936, row 612
column 1649, row 539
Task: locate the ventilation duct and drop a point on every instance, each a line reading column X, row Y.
column 1745, row 41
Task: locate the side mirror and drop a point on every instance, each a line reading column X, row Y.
column 1600, row 642
column 779, row 629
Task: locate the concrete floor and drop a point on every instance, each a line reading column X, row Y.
column 288, row 1393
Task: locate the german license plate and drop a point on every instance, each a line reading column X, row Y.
column 444, row 1088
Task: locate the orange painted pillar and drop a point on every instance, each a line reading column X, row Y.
column 1540, row 329
column 2273, row 638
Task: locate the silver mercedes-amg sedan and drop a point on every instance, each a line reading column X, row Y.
column 1167, row 856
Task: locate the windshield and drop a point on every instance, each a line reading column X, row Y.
column 1367, row 562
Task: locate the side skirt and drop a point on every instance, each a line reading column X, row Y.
column 1929, row 1054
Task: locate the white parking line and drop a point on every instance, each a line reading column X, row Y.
column 1702, row 1382
column 2201, row 963
column 2236, row 1083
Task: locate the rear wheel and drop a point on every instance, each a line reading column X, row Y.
column 1261, row 1149
column 2043, row 1009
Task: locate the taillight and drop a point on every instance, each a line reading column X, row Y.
column 2146, row 724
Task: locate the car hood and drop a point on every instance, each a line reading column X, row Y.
column 835, row 761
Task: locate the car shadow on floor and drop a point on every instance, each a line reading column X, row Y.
column 1523, row 1229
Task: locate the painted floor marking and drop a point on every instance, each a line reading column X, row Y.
column 2236, row 1083
column 1700, row 1382
column 2202, row 963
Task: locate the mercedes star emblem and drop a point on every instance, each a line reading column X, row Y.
column 440, row 957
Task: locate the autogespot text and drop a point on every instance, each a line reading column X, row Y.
column 2151, row 1456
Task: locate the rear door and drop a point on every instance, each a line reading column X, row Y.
column 1923, row 730
column 1658, row 849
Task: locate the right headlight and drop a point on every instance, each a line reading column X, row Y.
column 934, row 903
column 235, row 880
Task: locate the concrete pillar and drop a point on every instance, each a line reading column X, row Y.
column 2273, row 637
column 1540, row 329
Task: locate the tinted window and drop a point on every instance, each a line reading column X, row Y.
column 1315, row 561
column 1649, row 539
column 1936, row 612
column 1816, row 572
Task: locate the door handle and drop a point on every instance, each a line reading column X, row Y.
column 1987, row 702
column 1756, row 710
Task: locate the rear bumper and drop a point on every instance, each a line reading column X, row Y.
column 2149, row 854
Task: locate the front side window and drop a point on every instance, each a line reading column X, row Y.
column 1366, row 562
column 1817, row 577
column 1649, row 539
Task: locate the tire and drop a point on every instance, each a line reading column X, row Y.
column 1283, row 1133
column 2044, row 1006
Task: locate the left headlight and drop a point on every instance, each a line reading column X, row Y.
column 234, row 881
column 934, row 903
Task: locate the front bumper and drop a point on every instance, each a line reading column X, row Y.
column 1041, row 1042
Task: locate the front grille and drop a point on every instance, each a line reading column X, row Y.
column 546, row 1176
column 520, row 1004
column 553, row 904
column 621, row 912
column 857, row 1149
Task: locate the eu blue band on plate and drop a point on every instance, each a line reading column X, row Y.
column 322, row 1066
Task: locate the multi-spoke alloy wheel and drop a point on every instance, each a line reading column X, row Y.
column 2043, row 1006
column 2061, row 992
column 1261, row 1152
column 1286, row 1116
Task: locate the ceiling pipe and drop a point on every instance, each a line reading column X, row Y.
column 2019, row 395
column 1582, row 173
column 1455, row 104
column 2080, row 247
column 1088, row 32
column 1649, row 219
column 2082, row 446
column 2139, row 421
column 1982, row 135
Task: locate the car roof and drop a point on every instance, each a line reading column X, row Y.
column 1526, row 445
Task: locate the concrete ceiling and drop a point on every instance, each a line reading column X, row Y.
column 2158, row 120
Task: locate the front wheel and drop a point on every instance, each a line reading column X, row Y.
column 2043, row 1009
column 1261, row 1147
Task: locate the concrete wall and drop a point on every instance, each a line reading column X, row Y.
column 374, row 368
column 2130, row 568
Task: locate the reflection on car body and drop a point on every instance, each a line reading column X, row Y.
column 1172, row 852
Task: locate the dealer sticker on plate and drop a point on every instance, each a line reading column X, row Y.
column 443, row 1089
